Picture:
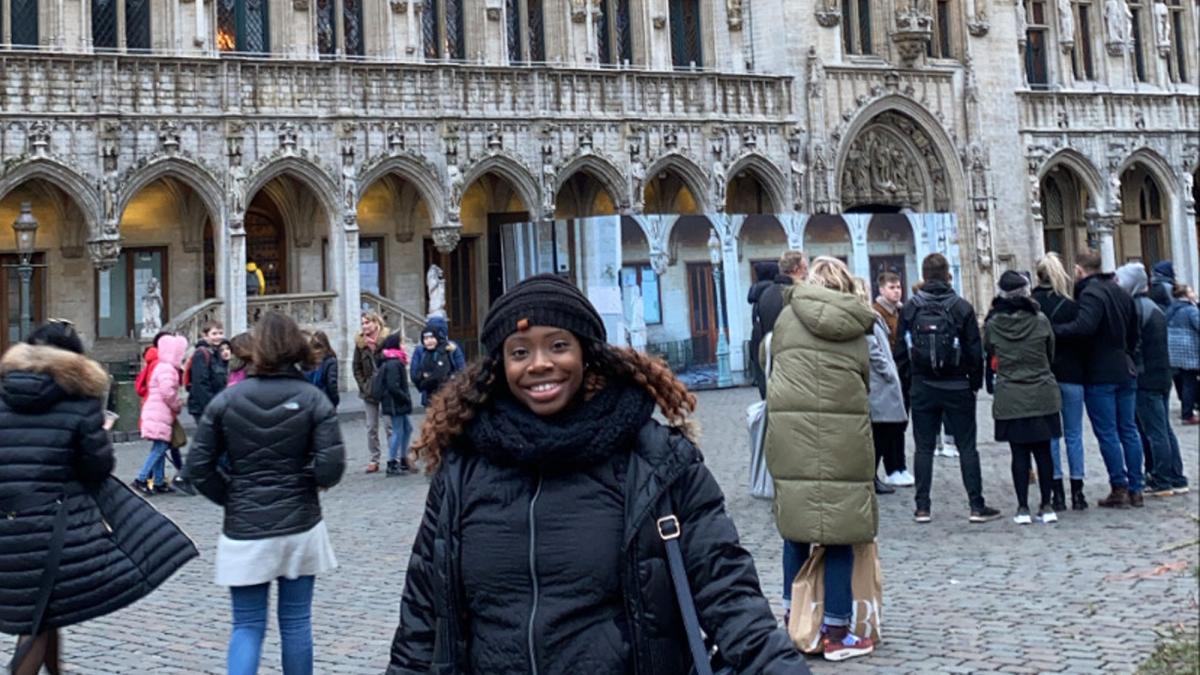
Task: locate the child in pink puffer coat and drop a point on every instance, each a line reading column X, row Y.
column 159, row 411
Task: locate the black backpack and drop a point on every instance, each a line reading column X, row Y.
column 934, row 344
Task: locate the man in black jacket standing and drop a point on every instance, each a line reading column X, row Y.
column 945, row 351
column 1108, row 320
column 767, row 305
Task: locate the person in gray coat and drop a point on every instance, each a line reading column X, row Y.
column 886, row 396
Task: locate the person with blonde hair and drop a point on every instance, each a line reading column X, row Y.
column 367, row 347
column 818, row 446
column 1053, row 295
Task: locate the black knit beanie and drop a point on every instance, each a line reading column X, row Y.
column 1012, row 281
column 542, row 300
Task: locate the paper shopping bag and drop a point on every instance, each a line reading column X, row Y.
column 808, row 598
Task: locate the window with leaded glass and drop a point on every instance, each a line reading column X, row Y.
column 614, row 41
column 1082, row 63
column 525, row 31
column 1054, row 217
column 23, row 23
column 686, row 51
column 243, row 26
column 137, row 24
column 442, row 30
column 940, row 46
column 326, row 27
column 1139, row 43
column 1036, row 40
column 339, row 38
column 106, row 19
column 104, row 24
column 856, row 27
column 1177, row 59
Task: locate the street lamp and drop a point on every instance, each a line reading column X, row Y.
column 25, row 229
column 724, row 376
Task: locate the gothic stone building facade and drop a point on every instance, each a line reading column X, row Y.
column 344, row 146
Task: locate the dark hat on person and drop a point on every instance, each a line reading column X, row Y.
column 1012, row 281
column 391, row 342
column 541, row 300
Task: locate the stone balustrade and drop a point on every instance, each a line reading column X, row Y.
column 1107, row 112
column 189, row 322
column 313, row 311
column 407, row 323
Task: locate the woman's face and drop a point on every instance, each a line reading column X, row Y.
column 544, row 368
column 369, row 327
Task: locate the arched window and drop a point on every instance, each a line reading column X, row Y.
column 614, row 39
column 526, row 37
column 243, row 26
column 1054, row 218
column 334, row 38
column 106, row 18
column 21, row 25
column 1151, row 223
column 856, row 27
column 442, row 30
column 686, row 49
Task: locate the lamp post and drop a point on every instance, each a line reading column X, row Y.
column 25, row 229
column 724, row 376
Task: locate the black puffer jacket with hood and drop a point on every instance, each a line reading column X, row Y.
column 538, row 552
column 282, row 440
column 116, row 548
column 1107, row 319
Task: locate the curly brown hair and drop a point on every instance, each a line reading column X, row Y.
column 454, row 405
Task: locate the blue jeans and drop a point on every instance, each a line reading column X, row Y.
column 250, row 624
column 839, row 569
column 156, row 462
column 1112, row 410
column 1072, row 422
column 401, row 432
column 1154, row 413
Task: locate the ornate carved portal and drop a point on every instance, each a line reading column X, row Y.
column 893, row 161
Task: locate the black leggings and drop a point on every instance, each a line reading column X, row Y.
column 889, row 445
column 1021, row 466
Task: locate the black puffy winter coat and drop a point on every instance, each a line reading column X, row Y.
column 282, row 441
column 1108, row 321
column 1070, row 354
column 117, row 548
column 516, row 565
column 207, row 377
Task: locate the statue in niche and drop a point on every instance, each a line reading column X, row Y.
column 637, row 174
column 1066, row 22
column 636, row 320
column 435, row 284
column 720, row 181
column 797, row 182
column 152, row 304
column 454, row 179
column 549, row 177
column 1162, row 24
column 237, row 181
column 1022, row 21
column 1118, row 20
column 349, row 185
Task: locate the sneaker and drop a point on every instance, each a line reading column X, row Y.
column 949, row 451
column 848, row 647
column 922, row 516
column 983, row 515
column 393, row 468
column 142, row 487
column 1022, row 517
column 1160, row 491
column 1182, row 490
column 1047, row 516
column 901, row 479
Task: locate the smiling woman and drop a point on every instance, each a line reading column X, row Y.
column 549, row 435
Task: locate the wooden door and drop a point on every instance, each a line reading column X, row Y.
column 461, row 306
column 702, row 307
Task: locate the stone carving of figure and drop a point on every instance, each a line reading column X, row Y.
column 720, row 181
column 349, row 187
column 237, row 184
column 978, row 172
column 637, row 174
column 1114, row 190
column 110, row 196
column 151, row 310
column 1022, row 21
column 1066, row 22
column 578, row 10
column 797, row 183
column 1162, row 23
column 454, row 179
column 549, row 175
column 637, row 319
column 435, row 283
column 1118, row 20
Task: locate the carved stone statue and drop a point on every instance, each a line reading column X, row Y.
column 237, row 186
column 454, row 179
column 637, row 177
column 1022, row 21
column 1066, row 22
column 349, row 186
column 798, row 183
column 733, row 12
column 720, row 182
column 1162, row 24
column 435, row 283
column 152, row 304
column 636, row 320
column 110, row 196
column 549, row 177
column 578, row 11
column 1118, row 21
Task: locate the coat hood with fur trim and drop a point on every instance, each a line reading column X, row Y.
column 361, row 342
column 39, row 375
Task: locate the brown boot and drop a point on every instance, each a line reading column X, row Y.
column 1136, row 500
column 1117, row 499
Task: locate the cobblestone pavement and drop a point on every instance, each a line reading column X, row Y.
column 1080, row 596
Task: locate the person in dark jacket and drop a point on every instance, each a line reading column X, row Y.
column 550, row 475
column 1162, row 284
column 1026, row 404
column 207, row 372
column 1164, row 464
column 765, row 273
column 945, row 389
column 435, row 360
column 280, row 442
column 55, row 458
column 1183, row 343
column 1108, row 321
column 366, row 360
column 793, row 268
column 324, row 375
column 390, row 388
column 1053, row 295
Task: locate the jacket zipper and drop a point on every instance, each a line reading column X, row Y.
column 533, row 668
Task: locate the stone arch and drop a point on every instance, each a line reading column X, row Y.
column 414, row 171
column 603, row 171
column 1155, row 165
column 1148, row 212
column 768, row 175
column 1083, row 169
column 923, row 137
column 694, row 178
column 323, row 186
column 511, row 170
column 189, row 173
column 62, row 176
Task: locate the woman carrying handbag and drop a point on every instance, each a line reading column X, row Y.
column 101, row 546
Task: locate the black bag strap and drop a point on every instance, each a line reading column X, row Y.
column 669, row 531
column 49, row 573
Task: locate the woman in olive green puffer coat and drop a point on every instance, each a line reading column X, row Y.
column 819, row 447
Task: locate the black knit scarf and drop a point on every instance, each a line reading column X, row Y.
column 509, row 434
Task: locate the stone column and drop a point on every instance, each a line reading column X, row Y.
column 1103, row 227
column 230, row 250
column 860, row 257
column 343, row 248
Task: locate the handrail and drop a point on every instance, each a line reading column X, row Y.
column 188, row 322
column 306, row 309
column 394, row 314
